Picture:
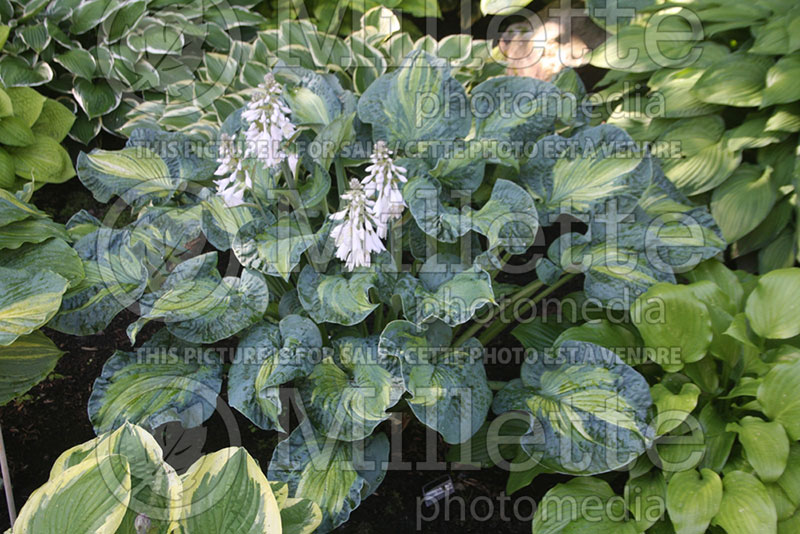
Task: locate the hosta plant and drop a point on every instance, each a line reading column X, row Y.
column 721, row 104
column 119, row 483
column 351, row 240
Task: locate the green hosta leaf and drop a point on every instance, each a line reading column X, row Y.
column 420, row 101
column 746, row 506
column 646, row 498
column 27, row 104
column 115, row 278
column 777, row 396
column 347, row 395
column 753, row 133
column 269, row 356
column 43, row 161
column 15, row 133
column 96, row 97
column 160, row 383
column 92, row 496
column 588, row 409
column 673, row 409
column 717, row 439
column 781, row 81
column 693, row 499
column 28, row 299
column 336, row 475
column 670, row 316
column 15, row 234
column 502, row 7
column 25, row 363
column 54, row 254
column 765, row 444
column 737, row 80
column 612, row 336
column 448, row 385
column 156, row 487
column 674, row 87
column 594, row 165
column 227, row 489
column 743, row 201
column 13, row 209
column 336, row 298
column 772, row 307
column 200, row 306
column 35, row 36
column 582, row 506
column 54, row 121
column 274, row 249
column 16, row 72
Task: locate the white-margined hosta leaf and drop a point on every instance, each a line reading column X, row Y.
column 155, row 486
column 347, row 394
column 448, row 384
column 268, row 356
column 165, row 380
column 274, row 249
column 336, row 298
column 115, row 278
column 588, row 409
column 226, row 491
column 571, row 175
column 200, row 306
column 298, row 516
column 28, row 299
column 420, row 101
column 336, row 475
column 25, row 363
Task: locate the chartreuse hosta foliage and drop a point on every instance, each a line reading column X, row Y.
column 118, row 483
column 726, row 97
column 394, row 330
column 722, row 359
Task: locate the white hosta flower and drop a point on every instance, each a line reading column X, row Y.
column 238, row 175
column 270, row 127
column 383, row 181
column 355, row 235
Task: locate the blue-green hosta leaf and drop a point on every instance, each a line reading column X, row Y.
column 267, row 357
column 228, row 490
column 448, row 385
column 588, row 409
column 166, row 232
column 28, row 299
column 508, row 219
column 274, row 249
column 670, row 316
column 55, row 255
column 200, row 306
column 582, row 506
column 164, row 381
column 25, row 363
column 420, row 101
column 336, row 475
column 777, row 396
column 12, row 209
column 693, row 499
column 738, row 80
column 92, row 496
column 766, row 446
column 347, row 395
column 571, row 175
column 445, row 223
column 771, row 307
column 221, row 223
column 156, row 487
column 336, row 298
column 746, row 506
column 115, row 278
column 16, row 234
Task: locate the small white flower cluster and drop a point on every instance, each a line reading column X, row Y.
column 265, row 139
column 371, row 205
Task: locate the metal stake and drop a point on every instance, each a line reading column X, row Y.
column 12, row 510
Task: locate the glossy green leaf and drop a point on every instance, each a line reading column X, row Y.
column 646, row 497
column 673, row 408
column 746, row 506
column 743, row 201
column 765, row 445
column 773, row 307
column 777, row 396
column 693, row 499
column 79, row 62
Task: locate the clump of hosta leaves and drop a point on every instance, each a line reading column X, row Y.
column 118, row 482
column 722, row 360
column 348, row 240
column 722, row 104
column 103, row 52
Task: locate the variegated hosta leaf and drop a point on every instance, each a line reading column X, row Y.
column 226, row 491
column 163, row 381
column 275, row 248
column 448, row 385
column 25, row 363
column 155, row 486
column 267, row 357
column 571, row 175
column 12, row 209
column 298, row 516
column 54, row 255
column 423, row 196
column 346, row 395
column 16, row 234
column 115, row 279
column 588, row 409
column 92, row 496
column 28, row 299
column 336, row 475
column 221, row 223
column 336, row 298
column 200, row 306
column 166, row 231
column 420, row 101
